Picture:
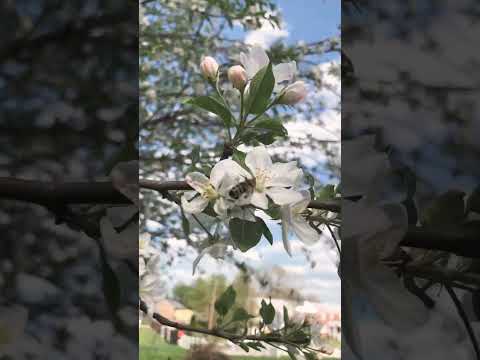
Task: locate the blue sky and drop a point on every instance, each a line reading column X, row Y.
column 310, row 20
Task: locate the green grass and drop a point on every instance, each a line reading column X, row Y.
column 152, row 347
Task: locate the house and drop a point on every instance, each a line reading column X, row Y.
column 174, row 311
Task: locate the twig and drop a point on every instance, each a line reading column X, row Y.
column 50, row 193
column 464, row 317
column 213, row 332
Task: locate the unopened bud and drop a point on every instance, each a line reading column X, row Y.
column 209, row 67
column 238, row 77
column 293, row 93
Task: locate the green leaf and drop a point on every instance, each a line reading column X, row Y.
column 246, row 234
column 267, row 312
column 299, row 337
column 241, row 315
column 239, row 157
column 447, row 209
column 256, row 345
column 185, row 225
column 244, row 347
column 212, row 105
column 265, row 230
column 260, row 90
column 310, row 356
column 274, row 212
column 111, row 285
column 225, row 302
column 286, row 319
column 473, row 202
column 264, row 130
column 327, row 192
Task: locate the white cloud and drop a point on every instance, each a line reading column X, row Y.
column 266, row 35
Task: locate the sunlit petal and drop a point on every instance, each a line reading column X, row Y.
column 194, row 206
column 197, row 180
column 258, row 160
column 259, row 199
column 284, row 174
column 281, row 196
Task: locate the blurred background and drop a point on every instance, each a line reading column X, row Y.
column 175, row 139
column 68, row 110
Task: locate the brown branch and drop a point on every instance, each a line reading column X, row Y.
column 103, row 192
column 268, row 338
column 50, row 193
column 182, row 185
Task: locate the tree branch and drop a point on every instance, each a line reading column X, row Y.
column 235, row 338
column 51, row 194
column 103, row 192
column 182, row 185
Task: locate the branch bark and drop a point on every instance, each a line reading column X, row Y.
column 51, row 194
column 182, row 185
column 103, row 192
column 217, row 332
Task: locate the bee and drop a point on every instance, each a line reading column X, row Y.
column 243, row 189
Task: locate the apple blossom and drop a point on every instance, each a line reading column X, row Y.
column 293, row 220
column 293, row 93
column 209, row 68
column 238, row 77
column 272, row 179
column 257, row 58
column 223, row 177
column 217, row 251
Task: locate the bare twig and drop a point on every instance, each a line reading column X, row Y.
column 50, row 193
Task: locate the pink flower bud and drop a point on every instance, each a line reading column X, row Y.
column 209, row 67
column 238, row 77
column 293, row 93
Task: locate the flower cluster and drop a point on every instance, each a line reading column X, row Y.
column 240, row 189
column 255, row 60
column 243, row 192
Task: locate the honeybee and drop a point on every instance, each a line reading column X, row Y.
column 243, row 189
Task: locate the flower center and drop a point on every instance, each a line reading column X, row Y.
column 209, row 192
column 260, row 179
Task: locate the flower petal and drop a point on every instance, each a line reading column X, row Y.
column 304, row 231
column 197, row 180
column 243, row 213
column 300, row 206
column 259, row 199
column 284, row 174
column 230, row 168
column 283, row 74
column 258, row 160
column 285, row 212
column 194, row 206
column 281, row 196
column 256, row 59
column 221, row 207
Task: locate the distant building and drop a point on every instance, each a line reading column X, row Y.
column 174, row 311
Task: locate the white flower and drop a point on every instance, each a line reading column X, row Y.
column 293, row 93
column 257, row 59
column 272, row 179
column 293, row 220
column 238, row 77
column 223, row 177
column 144, row 245
column 120, row 245
column 209, row 68
column 217, row 251
column 149, row 276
